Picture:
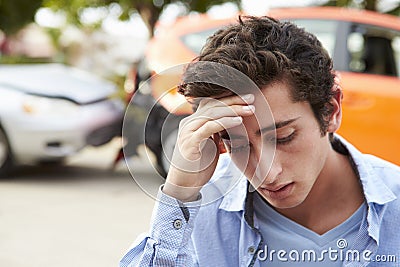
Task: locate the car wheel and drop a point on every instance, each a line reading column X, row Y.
column 53, row 162
column 168, row 140
column 168, row 145
column 5, row 154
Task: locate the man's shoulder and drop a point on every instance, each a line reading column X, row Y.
column 378, row 162
column 384, row 169
column 374, row 168
column 386, row 173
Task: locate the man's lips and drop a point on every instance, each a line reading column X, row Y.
column 277, row 192
column 274, row 188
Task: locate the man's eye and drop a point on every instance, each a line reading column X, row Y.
column 234, row 147
column 285, row 140
column 238, row 149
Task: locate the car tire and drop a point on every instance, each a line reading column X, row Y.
column 168, row 145
column 5, row 154
column 53, row 162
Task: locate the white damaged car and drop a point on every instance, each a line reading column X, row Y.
column 50, row 111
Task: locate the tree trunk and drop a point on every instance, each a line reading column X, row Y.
column 370, row 5
column 149, row 14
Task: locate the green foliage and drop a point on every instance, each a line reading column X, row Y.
column 149, row 10
column 395, row 11
column 22, row 60
column 72, row 8
column 363, row 4
column 340, row 3
column 202, row 6
column 15, row 14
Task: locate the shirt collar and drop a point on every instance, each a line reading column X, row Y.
column 236, row 198
column 377, row 194
column 227, row 186
column 375, row 191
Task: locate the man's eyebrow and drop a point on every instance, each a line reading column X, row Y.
column 224, row 134
column 276, row 125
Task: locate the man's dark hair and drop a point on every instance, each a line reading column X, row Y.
column 269, row 51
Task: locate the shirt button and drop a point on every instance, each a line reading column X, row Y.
column 251, row 250
column 178, row 224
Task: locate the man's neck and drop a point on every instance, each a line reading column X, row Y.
column 335, row 196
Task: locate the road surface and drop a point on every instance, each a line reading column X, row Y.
column 79, row 214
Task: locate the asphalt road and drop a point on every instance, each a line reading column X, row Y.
column 79, row 214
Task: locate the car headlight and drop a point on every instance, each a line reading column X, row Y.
column 46, row 106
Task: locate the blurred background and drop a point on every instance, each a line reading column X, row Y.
column 107, row 37
column 68, row 70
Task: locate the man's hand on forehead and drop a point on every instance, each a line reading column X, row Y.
column 196, row 154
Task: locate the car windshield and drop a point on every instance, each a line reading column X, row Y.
column 362, row 40
column 196, row 40
column 325, row 30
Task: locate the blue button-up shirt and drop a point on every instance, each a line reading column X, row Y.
column 220, row 230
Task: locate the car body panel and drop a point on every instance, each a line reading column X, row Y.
column 371, row 114
column 71, row 121
column 56, row 80
column 176, row 52
column 35, row 138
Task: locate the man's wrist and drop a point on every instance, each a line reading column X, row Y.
column 183, row 194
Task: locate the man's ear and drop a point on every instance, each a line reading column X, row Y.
column 336, row 116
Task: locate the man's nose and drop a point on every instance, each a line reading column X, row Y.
column 274, row 171
column 268, row 166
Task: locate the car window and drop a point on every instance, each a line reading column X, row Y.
column 196, row 40
column 324, row 30
column 371, row 49
column 396, row 51
column 374, row 50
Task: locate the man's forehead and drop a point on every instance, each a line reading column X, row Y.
column 195, row 99
column 268, row 126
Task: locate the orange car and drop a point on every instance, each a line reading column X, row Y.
column 365, row 47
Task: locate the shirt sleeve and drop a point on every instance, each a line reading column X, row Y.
column 168, row 242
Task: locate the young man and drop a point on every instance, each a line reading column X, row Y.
column 317, row 201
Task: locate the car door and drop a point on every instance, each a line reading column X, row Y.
column 368, row 60
column 371, row 103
